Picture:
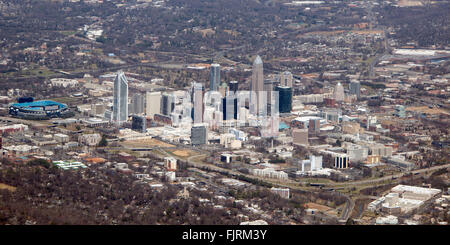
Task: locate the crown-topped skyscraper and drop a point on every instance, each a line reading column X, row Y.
column 257, row 85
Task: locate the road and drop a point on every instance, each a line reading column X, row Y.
column 291, row 184
column 350, row 204
column 390, row 177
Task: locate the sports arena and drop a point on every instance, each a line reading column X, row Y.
column 40, row 110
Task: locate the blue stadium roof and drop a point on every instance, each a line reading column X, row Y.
column 39, row 104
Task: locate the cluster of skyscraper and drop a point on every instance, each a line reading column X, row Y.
column 224, row 99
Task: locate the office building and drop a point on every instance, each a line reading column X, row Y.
column 120, row 101
column 355, row 88
column 269, row 173
column 339, row 94
column 314, row 163
column 197, row 97
column 286, row 79
column 138, row 104
column 153, row 103
column 341, row 161
column 314, row 126
column 284, row 99
column 229, row 107
column 170, row 163
column 404, row 199
column 283, row 192
column 300, row 136
column 356, row 153
column 223, row 89
column 214, row 80
column 139, row 123
column 89, row 139
column 233, row 86
column 199, row 135
column 257, row 86
column 270, row 126
column 168, row 104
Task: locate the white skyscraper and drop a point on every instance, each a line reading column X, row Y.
column 257, row 85
column 286, row 79
column 120, row 103
column 153, row 103
column 198, row 102
column 339, row 94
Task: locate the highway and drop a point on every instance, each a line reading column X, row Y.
column 350, row 204
column 381, row 179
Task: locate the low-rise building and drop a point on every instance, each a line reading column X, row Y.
column 270, row 173
column 89, row 139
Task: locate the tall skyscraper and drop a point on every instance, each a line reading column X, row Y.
column 198, row 102
column 120, row 102
column 257, row 85
column 339, row 94
column 138, row 103
column 153, row 103
column 229, row 107
column 355, row 88
column 233, row 86
column 168, row 104
column 286, row 79
column 284, row 99
column 214, row 80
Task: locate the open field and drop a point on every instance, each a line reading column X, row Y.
column 427, row 110
column 319, row 207
column 146, row 143
column 66, row 100
column 7, row 187
column 182, row 153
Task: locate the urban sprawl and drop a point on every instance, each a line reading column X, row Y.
column 305, row 122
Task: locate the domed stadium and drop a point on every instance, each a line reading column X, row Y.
column 39, row 110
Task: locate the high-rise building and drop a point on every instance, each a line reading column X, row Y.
column 153, row 103
column 355, row 88
column 229, row 107
column 233, row 86
column 284, row 99
column 223, row 89
column 300, row 136
column 339, row 94
column 286, row 79
column 214, row 80
column 199, row 135
column 257, row 86
column 120, row 102
column 197, row 97
column 168, row 104
column 314, row 126
column 139, row 123
column 138, row 103
column 268, row 88
column 270, row 126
